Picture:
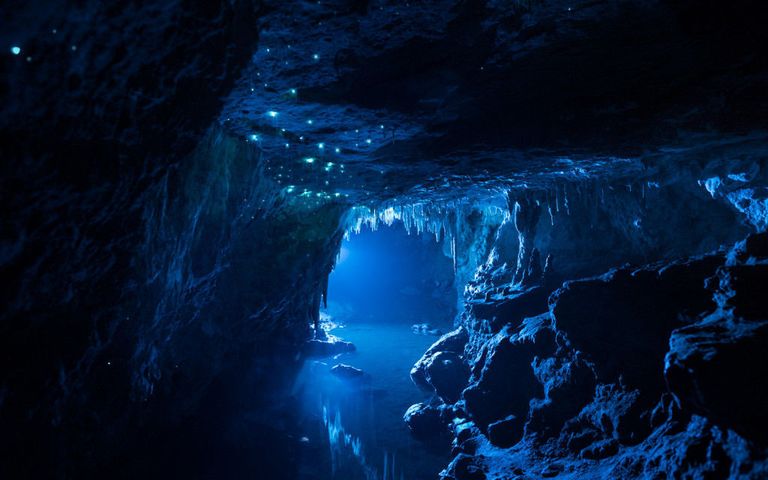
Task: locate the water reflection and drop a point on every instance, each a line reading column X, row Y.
column 362, row 417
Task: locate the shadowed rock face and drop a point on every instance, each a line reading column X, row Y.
column 164, row 252
column 672, row 362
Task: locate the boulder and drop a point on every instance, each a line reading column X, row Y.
column 453, row 342
column 347, row 372
column 506, row 432
column 425, row 421
column 447, row 374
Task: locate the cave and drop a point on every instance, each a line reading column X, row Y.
column 384, row 240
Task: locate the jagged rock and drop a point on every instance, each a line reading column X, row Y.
column 621, row 320
column 452, row 342
column 750, row 250
column 503, row 382
column 347, row 372
column 464, row 430
column 741, row 290
column 512, row 307
column 718, row 369
column 464, row 467
column 569, row 384
column 602, row 449
column 552, row 470
column 326, row 348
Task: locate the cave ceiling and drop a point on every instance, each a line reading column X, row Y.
column 386, row 99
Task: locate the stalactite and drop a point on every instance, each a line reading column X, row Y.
column 526, row 216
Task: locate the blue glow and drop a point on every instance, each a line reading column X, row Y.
column 321, row 146
column 293, row 91
column 337, row 150
column 309, row 160
column 316, row 57
column 368, row 141
column 15, row 50
column 253, row 137
column 310, row 122
column 272, row 113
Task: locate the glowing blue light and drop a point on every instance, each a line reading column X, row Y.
column 293, row 91
column 272, row 113
column 321, row 146
column 287, row 145
column 337, row 150
column 309, row 160
column 310, row 122
column 290, row 189
column 368, row 141
column 15, row 50
column 316, row 56
column 381, row 127
column 253, row 137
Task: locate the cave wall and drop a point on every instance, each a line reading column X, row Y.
column 145, row 254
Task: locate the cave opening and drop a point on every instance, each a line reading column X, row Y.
column 391, row 294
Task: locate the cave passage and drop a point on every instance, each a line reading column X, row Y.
column 391, row 294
